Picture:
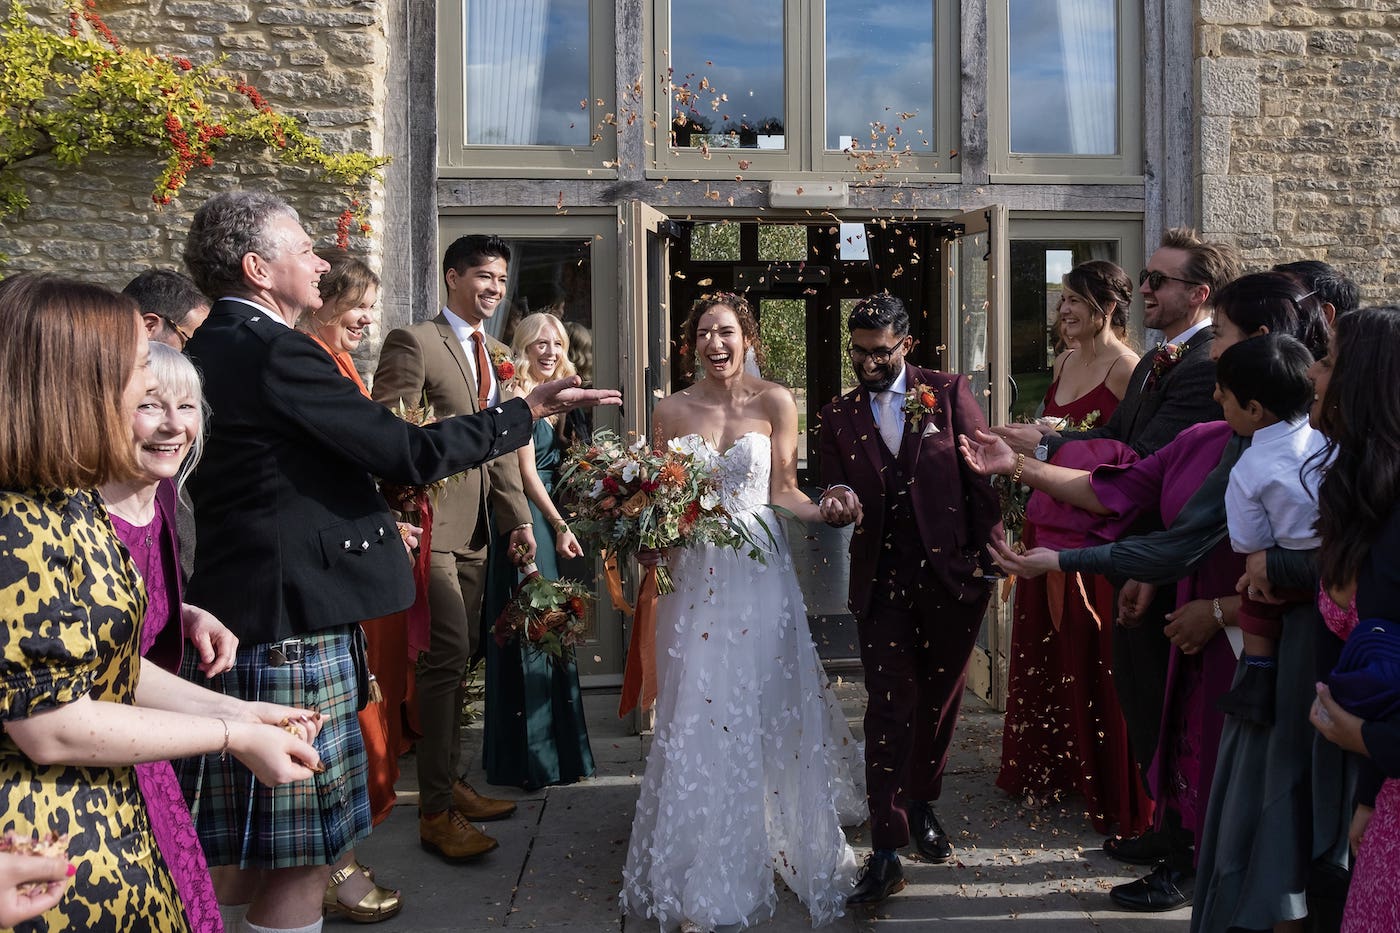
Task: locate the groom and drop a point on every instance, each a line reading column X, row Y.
column 918, row 589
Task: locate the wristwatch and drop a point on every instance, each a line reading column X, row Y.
column 1042, row 450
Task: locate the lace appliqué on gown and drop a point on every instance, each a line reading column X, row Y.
column 753, row 768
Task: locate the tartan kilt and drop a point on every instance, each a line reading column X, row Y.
column 244, row 823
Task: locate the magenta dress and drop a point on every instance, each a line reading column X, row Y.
column 1184, row 765
column 152, row 549
column 1064, row 729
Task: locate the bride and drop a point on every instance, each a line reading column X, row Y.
column 753, row 768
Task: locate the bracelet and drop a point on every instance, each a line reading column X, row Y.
column 223, row 752
column 522, row 525
column 1020, row 466
column 560, row 526
column 1217, row 612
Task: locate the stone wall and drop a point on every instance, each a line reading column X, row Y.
column 1300, row 129
column 325, row 62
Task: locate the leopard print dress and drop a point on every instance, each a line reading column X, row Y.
column 72, row 605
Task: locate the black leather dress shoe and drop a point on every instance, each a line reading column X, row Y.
column 928, row 835
column 1164, row 889
column 1147, row 849
column 880, row 878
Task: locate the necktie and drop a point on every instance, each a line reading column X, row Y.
column 891, row 429
column 483, row 377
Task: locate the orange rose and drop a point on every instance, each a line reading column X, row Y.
column 927, row 400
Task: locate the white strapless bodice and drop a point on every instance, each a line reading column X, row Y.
column 743, row 469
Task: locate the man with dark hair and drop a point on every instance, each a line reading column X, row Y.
column 917, row 586
column 296, row 546
column 1338, row 293
column 450, row 363
column 172, row 306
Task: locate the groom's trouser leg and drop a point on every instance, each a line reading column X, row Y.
column 946, row 636
column 915, row 659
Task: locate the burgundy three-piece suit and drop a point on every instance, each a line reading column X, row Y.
column 917, row 586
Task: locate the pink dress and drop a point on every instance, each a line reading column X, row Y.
column 1372, row 903
column 165, row 803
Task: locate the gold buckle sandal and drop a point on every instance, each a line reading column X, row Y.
column 379, row 904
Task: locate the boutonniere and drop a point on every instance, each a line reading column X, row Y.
column 505, row 369
column 1163, row 359
column 920, row 402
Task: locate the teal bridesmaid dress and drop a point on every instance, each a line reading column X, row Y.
column 535, row 729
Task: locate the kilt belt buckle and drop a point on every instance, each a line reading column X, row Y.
column 287, row 651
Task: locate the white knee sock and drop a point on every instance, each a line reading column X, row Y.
column 233, row 916
column 254, row 928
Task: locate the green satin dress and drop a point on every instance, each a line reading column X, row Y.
column 535, row 730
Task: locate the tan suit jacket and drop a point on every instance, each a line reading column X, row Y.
column 427, row 361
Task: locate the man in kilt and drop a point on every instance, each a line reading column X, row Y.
column 296, row 545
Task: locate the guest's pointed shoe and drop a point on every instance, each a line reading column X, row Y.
column 1165, row 889
column 478, row 807
column 927, row 834
column 880, row 878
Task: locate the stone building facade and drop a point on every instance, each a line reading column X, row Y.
column 1299, row 130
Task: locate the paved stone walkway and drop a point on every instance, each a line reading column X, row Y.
column 559, row 866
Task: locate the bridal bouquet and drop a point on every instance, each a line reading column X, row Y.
column 628, row 498
column 549, row 615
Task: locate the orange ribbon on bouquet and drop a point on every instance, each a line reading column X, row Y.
column 639, row 674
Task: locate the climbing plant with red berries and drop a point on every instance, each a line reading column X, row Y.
column 72, row 90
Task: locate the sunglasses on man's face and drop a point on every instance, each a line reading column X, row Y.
column 1154, row 279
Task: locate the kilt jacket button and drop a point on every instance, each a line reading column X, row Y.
column 347, row 545
column 364, row 545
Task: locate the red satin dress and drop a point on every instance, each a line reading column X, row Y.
column 1064, row 732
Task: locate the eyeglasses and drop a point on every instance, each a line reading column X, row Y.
column 179, row 332
column 879, row 356
column 1154, row 279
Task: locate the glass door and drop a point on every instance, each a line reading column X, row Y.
column 977, row 329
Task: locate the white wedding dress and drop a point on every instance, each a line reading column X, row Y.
column 753, row 769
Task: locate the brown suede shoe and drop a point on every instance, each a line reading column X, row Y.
column 475, row 807
column 452, row 836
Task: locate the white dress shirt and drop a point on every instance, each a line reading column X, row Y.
column 1266, row 501
column 463, row 332
column 899, row 386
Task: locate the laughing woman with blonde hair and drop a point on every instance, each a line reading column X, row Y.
column 535, row 730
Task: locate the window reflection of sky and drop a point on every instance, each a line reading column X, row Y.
column 1041, row 83
column 524, row 83
column 879, row 64
column 562, row 121
column 738, row 46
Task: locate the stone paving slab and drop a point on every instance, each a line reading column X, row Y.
column 559, row 865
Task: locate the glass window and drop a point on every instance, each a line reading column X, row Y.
column 1064, row 76
column 782, row 327
column 715, row 242
column 727, row 82
column 527, row 73
column 879, row 75
column 1037, row 267
column 778, row 243
column 555, row 275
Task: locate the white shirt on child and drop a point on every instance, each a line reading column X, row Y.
column 1267, row 503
